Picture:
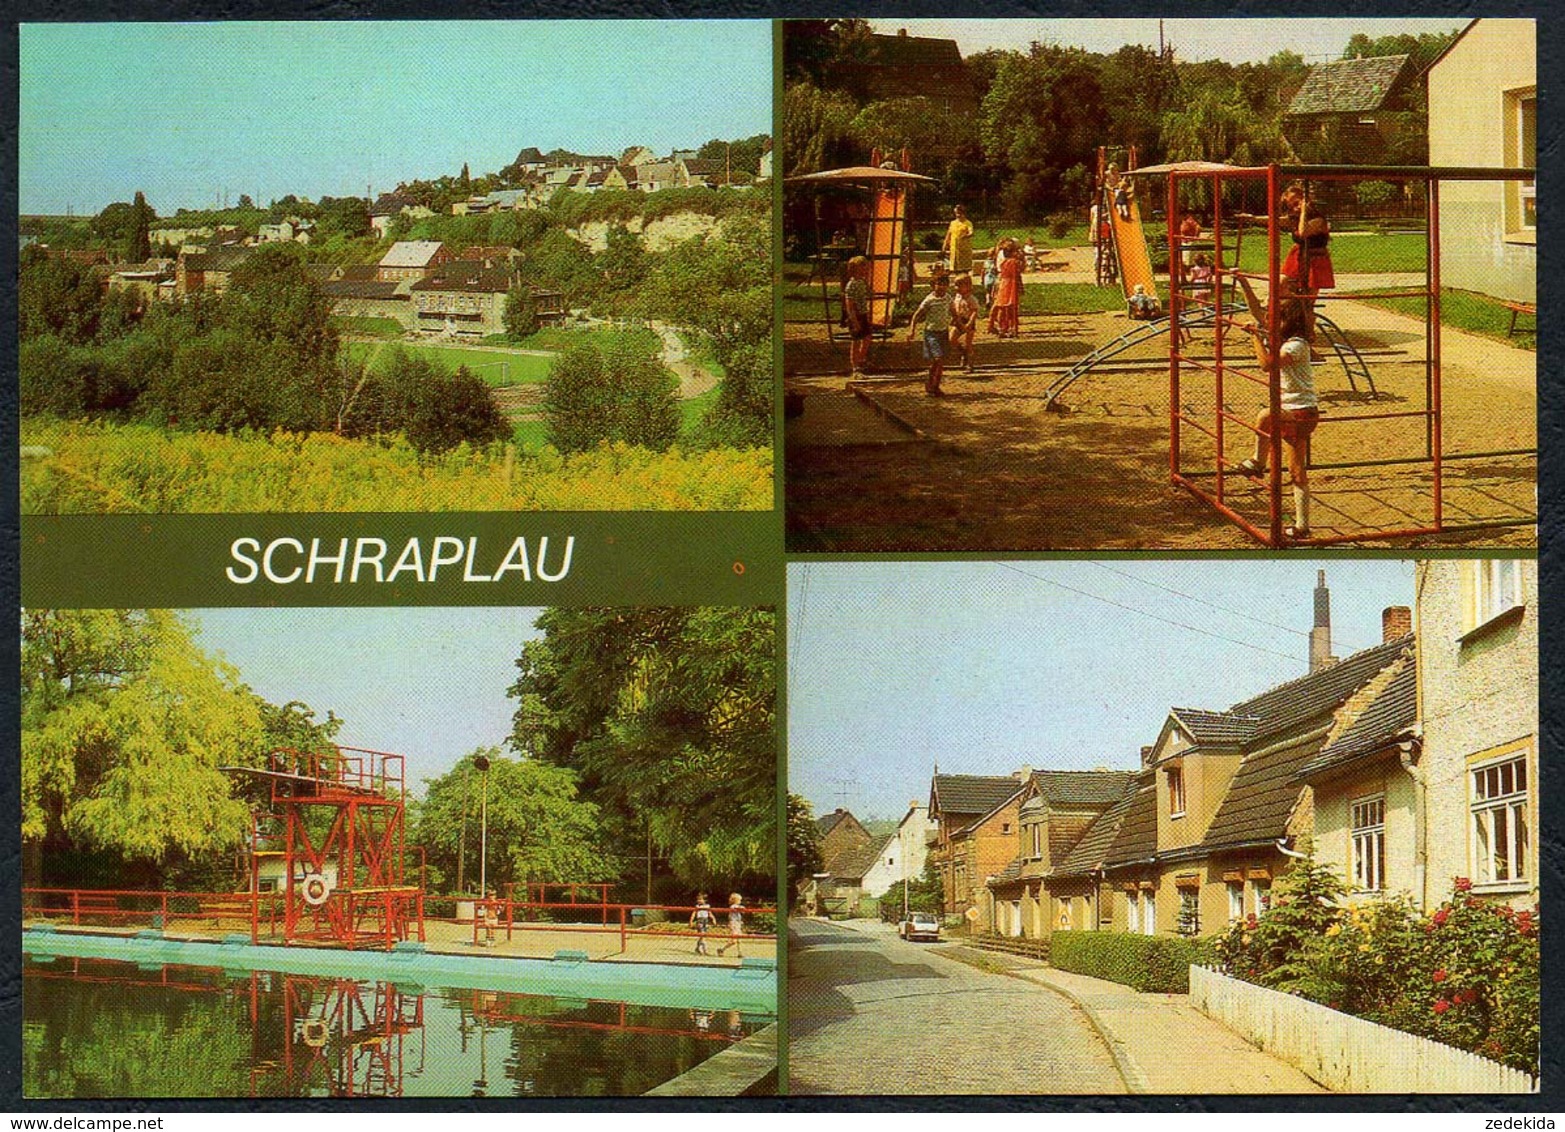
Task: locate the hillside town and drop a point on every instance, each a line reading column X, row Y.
column 1398, row 782
column 428, row 286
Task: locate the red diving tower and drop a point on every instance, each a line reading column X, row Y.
column 329, row 838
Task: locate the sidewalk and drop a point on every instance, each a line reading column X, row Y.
column 1163, row 1044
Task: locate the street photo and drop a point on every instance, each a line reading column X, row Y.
column 1177, row 828
column 395, row 266
column 1136, row 284
column 382, row 853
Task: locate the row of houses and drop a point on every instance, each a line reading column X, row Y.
column 421, row 284
column 858, row 868
column 1404, row 765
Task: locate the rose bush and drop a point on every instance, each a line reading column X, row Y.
column 1465, row 974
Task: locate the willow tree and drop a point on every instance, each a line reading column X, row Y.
column 125, row 723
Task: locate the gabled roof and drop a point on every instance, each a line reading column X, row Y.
column 828, row 822
column 1389, row 717
column 971, row 793
column 466, row 275
column 411, row 253
column 856, row 860
column 1265, row 788
column 389, row 204
column 1349, row 86
column 1082, row 787
column 1216, row 728
column 1136, row 838
column 1092, row 851
column 225, row 257
column 1292, row 703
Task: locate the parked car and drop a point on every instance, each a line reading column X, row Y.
column 920, row 925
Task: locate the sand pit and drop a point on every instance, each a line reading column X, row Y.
column 988, row 468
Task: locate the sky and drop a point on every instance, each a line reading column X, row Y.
column 985, row 667
column 185, row 112
column 429, row 684
column 1241, row 40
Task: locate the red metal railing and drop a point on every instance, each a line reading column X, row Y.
column 491, row 916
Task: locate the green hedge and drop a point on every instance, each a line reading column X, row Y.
column 1160, row 964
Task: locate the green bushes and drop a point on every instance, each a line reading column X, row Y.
column 1158, row 964
column 617, row 394
column 1466, row 974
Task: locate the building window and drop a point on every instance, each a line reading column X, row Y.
column 1037, row 840
column 1235, row 900
column 1494, row 589
column 1261, row 895
column 1189, row 912
column 1369, row 843
column 1176, row 792
column 1067, row 914
column 1501, row 841
column 1132, row 919
column 1521, row 136
column 1148, row 912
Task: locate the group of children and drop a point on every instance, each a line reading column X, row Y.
column 703, row 919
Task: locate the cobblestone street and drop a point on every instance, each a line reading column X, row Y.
column 871, row 1014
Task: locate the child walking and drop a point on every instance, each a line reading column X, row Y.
column 1300, row 407
column 935, row 313
column 735, row 925
column 855, row 313
column 964, row 320
column 701, row 920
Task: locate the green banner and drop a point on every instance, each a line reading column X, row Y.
column 583, row 558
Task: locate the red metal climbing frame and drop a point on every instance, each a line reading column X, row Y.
column 1208, row 473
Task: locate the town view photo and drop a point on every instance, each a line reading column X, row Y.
column 418, row 277
column 1197, row 827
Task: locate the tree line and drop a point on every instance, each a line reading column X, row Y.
column 1031, row 148
column 642, row 753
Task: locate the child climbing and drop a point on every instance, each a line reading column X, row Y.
column 1300, row 407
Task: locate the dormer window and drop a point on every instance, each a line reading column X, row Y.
column 1176, row 792
column 1037, row 840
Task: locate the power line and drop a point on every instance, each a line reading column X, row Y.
column 1144, row 613
column 1203, row 601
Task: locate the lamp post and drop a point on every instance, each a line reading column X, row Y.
column 481, row 764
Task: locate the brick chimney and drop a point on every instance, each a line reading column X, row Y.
column 1396, row 621
column 1320, row 634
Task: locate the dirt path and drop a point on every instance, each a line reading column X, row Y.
column 878, row 466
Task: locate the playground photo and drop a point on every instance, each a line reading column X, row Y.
column 534, row 854
column 1049, row 286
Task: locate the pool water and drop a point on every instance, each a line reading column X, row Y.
column 99, row 1028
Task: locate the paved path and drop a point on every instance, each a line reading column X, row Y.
column 869, row 1014
column 1162, row 1043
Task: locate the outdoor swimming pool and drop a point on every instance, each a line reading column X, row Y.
column 101, row 1028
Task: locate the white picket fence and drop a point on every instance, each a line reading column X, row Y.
column 1345, row 1053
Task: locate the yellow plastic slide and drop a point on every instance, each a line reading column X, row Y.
column 1130, row 246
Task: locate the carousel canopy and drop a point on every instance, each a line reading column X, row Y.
column 857, row 173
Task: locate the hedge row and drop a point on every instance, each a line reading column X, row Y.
column 1159, row 964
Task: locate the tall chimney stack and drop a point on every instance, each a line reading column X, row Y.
column 1320, row 634
column 1396, row 621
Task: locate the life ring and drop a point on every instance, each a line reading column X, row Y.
column 316, row 890
column 314, row 1032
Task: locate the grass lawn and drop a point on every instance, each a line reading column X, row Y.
column 494, row 367
column 1401, row 251
column 368, row 327
column 1477, row 314
column 1070, row 298
column 557, row 338
column 530, row 436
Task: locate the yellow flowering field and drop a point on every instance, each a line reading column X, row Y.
column 71, row 467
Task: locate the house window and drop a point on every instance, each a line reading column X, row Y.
column 1261, row 895
column 1037, row 840
column 1501, row 840
column 1148, row 912
column 1176, row 792
column 1067, row 914
column 1494, row 589
column 1189, row 911
column 1369, row 843
column 1132, row 918
column 1521, row 134
column 1235, row 900
column 1005, row 827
